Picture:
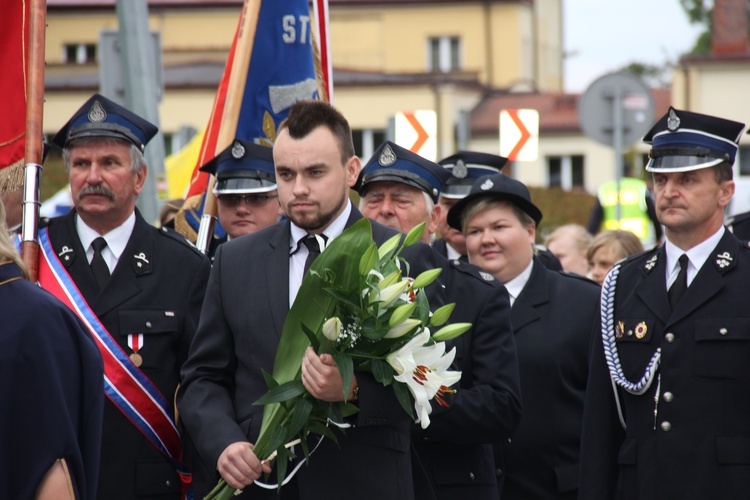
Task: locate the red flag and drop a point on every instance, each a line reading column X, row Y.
column 14, row 39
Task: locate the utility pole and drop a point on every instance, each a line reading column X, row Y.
column 142, row 92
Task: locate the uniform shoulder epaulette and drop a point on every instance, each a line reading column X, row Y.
column 474, row 271
column 737, row 219
column 174, row 235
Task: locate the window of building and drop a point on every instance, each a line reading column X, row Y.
column 366, row 141
column 566, row 172
column 79, row 53
column 444, row 54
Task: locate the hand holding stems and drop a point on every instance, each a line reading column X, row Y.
column 322, row 379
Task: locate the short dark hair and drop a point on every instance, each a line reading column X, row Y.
column 306, row 116
column 723, row 172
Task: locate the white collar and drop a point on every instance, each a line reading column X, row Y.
column 698, row 255
column 117, row 238
column 515, row 286
column 452, row 252
column 334, row 229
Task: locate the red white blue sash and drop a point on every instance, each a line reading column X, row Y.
column 125, row 385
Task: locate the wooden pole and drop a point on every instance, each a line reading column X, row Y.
column 34, row 143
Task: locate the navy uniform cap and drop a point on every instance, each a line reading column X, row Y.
column 500, row 187
column 466, row 167
column 682, row 141
column 243, row 167
column 391, row 162
column 100, row 117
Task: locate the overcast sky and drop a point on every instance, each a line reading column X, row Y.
column 601, row 36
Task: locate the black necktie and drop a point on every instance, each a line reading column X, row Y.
column 98, row 266
column 313, row 249
column 680, row 285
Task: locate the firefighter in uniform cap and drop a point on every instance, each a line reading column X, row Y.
column 552, row 314
column 245, row 189
column 465, row 168
column 141, row 288
column 453, row 457
column 667, row 413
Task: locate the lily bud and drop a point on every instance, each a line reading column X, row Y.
column 332, row 328
column 392, row 278
column 401, row 313
column 441, row 315
column 390, row 294
column 450, row 332
column 402, row 328
column 426, row 278
column 389, row 246
column 414, row 235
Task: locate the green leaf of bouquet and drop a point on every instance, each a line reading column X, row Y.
column 277, row 440
column 298, row 416
column 425, row 278
column 414, row 235
column 342, row 257
column 323, row 430
column 368, row 260
column 404, row 397
column 314, row 342
column 386, row 249
column 423, row 308
column 342, row 296
column 348, row 409
column 450, row 331
column 346, row 369
column 441, row 314
column 283, row 392
column 270, row 382
column 382, row 371
column 282, row 460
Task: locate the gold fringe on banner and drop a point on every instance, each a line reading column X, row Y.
column 11, row 177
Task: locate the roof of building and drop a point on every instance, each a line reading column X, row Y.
column 558, row 112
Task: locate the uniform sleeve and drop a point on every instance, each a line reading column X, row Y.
column 595, row 221
column 602, row 432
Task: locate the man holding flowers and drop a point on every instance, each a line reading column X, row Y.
column 253, row 283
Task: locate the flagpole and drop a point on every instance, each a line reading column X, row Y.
column 34, row 145
column 228, row 126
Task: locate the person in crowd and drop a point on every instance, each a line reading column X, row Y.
column 51, row 387
column 254, row 281
column 631, row 208
column 666, row 414
column 569, row 244
column 139, row 287
column 552, row 314
column 245, row 189
column 453, row 457
column 608, row 248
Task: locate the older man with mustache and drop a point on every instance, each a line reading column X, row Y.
column 139, row 287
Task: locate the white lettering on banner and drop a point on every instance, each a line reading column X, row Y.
column 292, row 27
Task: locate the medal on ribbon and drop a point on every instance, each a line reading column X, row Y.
column 135, row 342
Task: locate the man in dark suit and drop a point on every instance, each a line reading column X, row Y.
column 142, row 285
column 667, row 413
column 453, row 456
column 253, row 282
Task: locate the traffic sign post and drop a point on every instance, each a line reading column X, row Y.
column 519, row 134
column 616, row 110
column 417, row 132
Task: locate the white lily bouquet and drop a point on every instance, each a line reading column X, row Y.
column 356, row 305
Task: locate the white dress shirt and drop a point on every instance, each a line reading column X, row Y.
column 116, row 239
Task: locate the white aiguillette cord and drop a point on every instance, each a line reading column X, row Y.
column 300, row 464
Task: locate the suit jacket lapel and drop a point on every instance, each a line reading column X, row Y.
column 710, row 278
column 67, row 246
column 653, row 289
column 534, row 294
column 277, row 274
column 134, row 262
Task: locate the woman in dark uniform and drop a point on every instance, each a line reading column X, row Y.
column 552, row 313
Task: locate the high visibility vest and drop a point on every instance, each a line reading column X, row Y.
column 633, row 210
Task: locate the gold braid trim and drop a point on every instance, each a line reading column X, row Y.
column 11, row 177
column 181, row 224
